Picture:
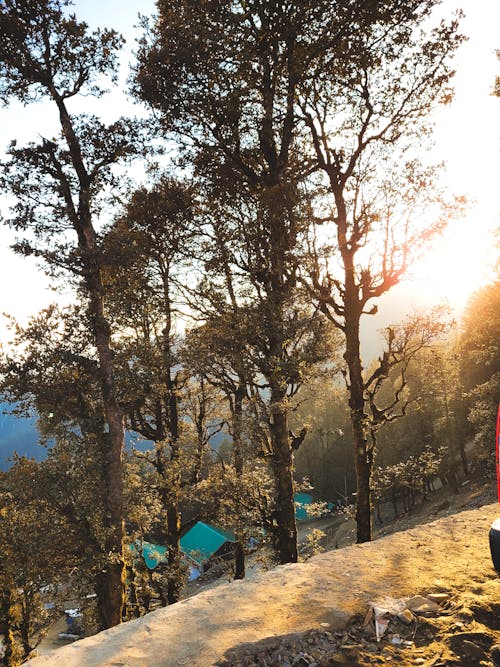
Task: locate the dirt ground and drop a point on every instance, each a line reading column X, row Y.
column 312, row 613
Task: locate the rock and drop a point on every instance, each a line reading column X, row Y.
column 442, row 506
column 473, row 650
column 457, row 627
column 339, row 659
column 465, row 615
column 418, row 604
column 395, row 640
column 495, row 653
column 406, row 617
column 372, row 648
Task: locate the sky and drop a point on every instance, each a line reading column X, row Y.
column 467, row 138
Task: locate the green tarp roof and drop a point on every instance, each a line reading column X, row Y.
column 202, row 541
column 153, row 554
column 301, row 501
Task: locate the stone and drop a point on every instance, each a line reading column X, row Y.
column 406, row 617
column 418, row 604
column 495, row 654
column 372, row 648
column 473, row 650
column 465, row 615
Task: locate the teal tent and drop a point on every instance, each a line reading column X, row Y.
column 301, row 502
column 203, row 541
column 153, row 554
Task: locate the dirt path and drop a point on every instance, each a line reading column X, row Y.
column 450, row 554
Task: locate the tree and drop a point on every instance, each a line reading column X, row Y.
column 51, row 371
column 39, row 548
column 146, row 249
column 216, row 351
column 480, row 367
column 364, row 110
column 264, row 94
column 223, row 78
column 325, row 458
column 59, row 186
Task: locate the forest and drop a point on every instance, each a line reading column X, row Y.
column 223, row 249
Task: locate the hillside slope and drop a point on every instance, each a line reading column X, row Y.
column 450, row 554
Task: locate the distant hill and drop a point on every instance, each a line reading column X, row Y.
column 18, row 434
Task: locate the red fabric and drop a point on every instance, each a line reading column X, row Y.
column 498, row 452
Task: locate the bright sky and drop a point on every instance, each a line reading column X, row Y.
column 467, row 139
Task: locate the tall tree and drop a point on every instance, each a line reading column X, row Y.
column 51, row 371
column 365, row 110
column 39, row 553
column 223, row 77
column 216, row 351
column 262, row 95
column 480, row 368
column 59, row 185
column 146, row 250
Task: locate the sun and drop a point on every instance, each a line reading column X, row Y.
column 460, row 262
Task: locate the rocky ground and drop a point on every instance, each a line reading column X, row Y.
column 464, row 631
column 463, row 628
column 317, row 613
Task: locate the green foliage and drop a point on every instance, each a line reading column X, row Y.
column 39, row 553
column 480, row 369
column 42, row 43
column 325, row 457
column 313, row 544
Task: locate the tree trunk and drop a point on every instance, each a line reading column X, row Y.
column 7, row 624
column 362, row 453
column 109, row 588
column 174, row 585
column 113, row 584
column 135, row 608
column 282, row 461
column 171, row 498
column 239, row 548
column 24, row 625
column 394, row 501
column 169, row 493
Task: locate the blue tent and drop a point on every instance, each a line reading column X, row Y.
column 301, row 502
column 153, row 554
column 203, row 541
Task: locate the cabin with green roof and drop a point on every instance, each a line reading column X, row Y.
column 302, row 500
column 203, row 543
column 153, row 554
